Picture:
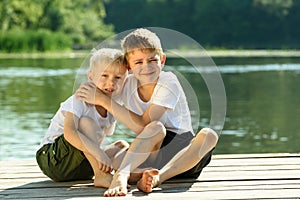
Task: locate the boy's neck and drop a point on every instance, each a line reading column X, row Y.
column 102, row 111
column 145, row 91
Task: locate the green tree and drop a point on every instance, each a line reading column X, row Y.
column 214, row 23
column 275, row 7
column 81, row 20
column 20, row 14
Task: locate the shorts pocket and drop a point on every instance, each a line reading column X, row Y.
column 58, row 151
column 43, row 160
column 42, row 157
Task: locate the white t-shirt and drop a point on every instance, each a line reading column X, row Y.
column 167, row 93
column 80, row 109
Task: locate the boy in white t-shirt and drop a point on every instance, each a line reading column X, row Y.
column 156, row 110
column 71, row 149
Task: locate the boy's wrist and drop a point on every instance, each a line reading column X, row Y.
column 99, row 97
column 105, row 101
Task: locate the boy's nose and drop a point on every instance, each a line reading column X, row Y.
column 111, row 82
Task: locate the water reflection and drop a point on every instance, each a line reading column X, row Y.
column 262, row 100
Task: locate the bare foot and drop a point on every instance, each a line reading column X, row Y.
column 103, row 180
column 118, row 186
column 148, row 181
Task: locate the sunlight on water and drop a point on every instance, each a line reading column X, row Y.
column 239, row 68
column 15, row 72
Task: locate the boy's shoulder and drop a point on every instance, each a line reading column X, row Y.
column 167, row 77
column 73, row 102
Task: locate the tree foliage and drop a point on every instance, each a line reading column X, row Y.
column 80, row 20
column 215, row 23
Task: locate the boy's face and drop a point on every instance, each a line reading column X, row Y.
column 108, row 79
column 145, row 65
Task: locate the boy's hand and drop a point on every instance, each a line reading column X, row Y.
column 105, row 163
column 89, row 93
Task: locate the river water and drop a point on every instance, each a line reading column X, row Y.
column 262, row 114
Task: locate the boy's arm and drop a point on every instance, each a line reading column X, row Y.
column 130, row 119
column 90, row 94
column 84, row 143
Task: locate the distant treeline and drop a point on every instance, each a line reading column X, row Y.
column 51, row 25
column 254, row 24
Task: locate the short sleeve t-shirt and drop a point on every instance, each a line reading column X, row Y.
column 80, row 109
column 167, row 93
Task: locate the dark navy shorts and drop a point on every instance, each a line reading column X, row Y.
column 171, row 145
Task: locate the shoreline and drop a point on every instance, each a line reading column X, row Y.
column 170, row 53
column 237, row 53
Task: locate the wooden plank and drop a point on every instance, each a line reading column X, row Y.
column 251, row 175
column 158, row 193
column 258, row 176
column 252, row 168
column 256, row 161
column 246, row 156
column 211, row 167
column 205, row 175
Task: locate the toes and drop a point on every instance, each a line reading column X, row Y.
column 115, row 192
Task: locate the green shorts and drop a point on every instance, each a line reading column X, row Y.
column 60, row 161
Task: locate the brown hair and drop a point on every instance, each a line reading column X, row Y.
column 142, row 39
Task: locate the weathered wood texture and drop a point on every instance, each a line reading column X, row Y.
column 253, row 176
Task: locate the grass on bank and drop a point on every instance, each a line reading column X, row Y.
column 34, row 41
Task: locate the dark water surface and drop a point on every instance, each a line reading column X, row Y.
column 262, row 103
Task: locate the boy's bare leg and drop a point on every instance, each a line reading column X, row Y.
column 116, row 151
column 137, row 153
column 88, row 127
column 186, row 159
column 101, row 178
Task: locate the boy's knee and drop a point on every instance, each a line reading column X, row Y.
column 154, row 129
column 157, row 128
column 84, row 121
column 210, row 135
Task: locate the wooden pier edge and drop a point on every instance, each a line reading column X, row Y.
column 234, row 176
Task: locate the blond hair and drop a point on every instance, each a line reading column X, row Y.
column 106, row 57
column 141, row 39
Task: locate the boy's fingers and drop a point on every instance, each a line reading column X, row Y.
column 92, row 84
column 105, row 168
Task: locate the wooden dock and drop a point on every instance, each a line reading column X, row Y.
column 253, row 176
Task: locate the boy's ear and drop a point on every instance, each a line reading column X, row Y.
column 163, row 59
column 129, row 69
column 90, row 76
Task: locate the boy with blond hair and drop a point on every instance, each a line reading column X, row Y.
column 156, row 109
column 71, row 149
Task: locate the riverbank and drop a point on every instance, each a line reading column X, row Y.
column 172, row 54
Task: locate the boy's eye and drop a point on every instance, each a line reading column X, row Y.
column 138, row 63
column 153, row 60
column 104, row 75
column 117, row 77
